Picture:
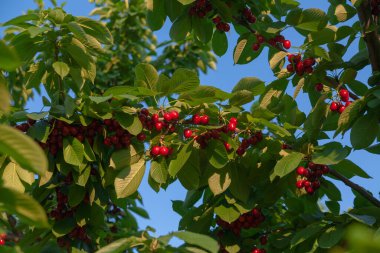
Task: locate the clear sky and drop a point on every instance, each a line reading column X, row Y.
column 225, row 77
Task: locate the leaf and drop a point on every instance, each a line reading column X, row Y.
column 364, row 131
column 96, row 29
column 306, row 233
column 239, row 49
column 22, row 19
column 219, row 43
column 365, row 219
column 203, row 241
column 129, row 179
column 252, row 84
column 299, row 87
column 228, row 214
column 121, row 245
column 23, row 150
column 286, row 165
column 350, row 169
column 180, row 28
column 25, row 207
column 147, row 74
column 73, row 151
column 349, row 115
column 184, row 80
column 159, row 172
column 124, row 157
column 129, row 122
column 183, row 155
column 331, row 237
column 61, row 68
column 219, row 182
column 277, row 59
column 331, row 153
column 9, row 59
column 76, row 194
column 11, row 179
column 217, row 153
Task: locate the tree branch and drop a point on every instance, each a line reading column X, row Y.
column 370, row 34
column 366, row 194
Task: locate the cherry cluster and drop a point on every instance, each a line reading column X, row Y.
column 340, row 106
column 251, row 141
column 263, row 241
column 220, row 25
column 248, row 16
column 3, row 237
column 248, row 220
column 118, row 137
column 200, row 8
column 310, row 176
column 24, row 127
column 375, row 5
column 274, row 42
column 300, row 66
column 161, row 121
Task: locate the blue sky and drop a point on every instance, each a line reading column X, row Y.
column 225, row 77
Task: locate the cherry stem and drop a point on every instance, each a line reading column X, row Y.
column 363, row 192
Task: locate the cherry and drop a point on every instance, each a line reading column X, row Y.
column 196, row 119
column 319, row 87
column 287, row 44
column 155, row 117
column 316, row 184
column 187, row 133
column 114, row 139
column 307, row 184
column 300, row 67
column 167, row 116
column 156, row 150
column 348, row 103
column 260, row 39
column 158, row 126
column 144, row 111
column 3, row 236
column 325, row 169
column 233, row 120
column 309, row 62
column 334, row 106
column 141, row 137
column 341, row 109
column 174, row 115
column 290, row 68
column 107, row 142
column 344, row 95
column 301, row 171
column 227, row 146
column 226, row 27
column 309, row 190
column 263, row 240
column 256, row 47
column 164, row 151
column 2, row 241
column 256, row 251
column 231, row 127
column 240, row 151
column 300, row 184
column 217, row 20
column 204, row 119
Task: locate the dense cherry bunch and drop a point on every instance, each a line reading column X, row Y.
column 340, row 106
column 375, row 4
column 161, row 121
column 161, row 151
column 3, row 237
column 220, row 25
column 300, row 66
column 200, row 8
column 251, row 141
column 310, row 176
column 251, row 219
column 248, row 16
column 276, row 42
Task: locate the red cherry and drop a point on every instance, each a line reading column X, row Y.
column 325, row 169
column 158, row 126
column 344, row 95
column 308, row 62
column 174, row 115
column 226, row 27
column 301, row 171
column 309, row 70
column 196, row 119
column 341, row 109
column 240, row 151
column 319, row 87
column 164, row 151
column 260, row 39
column 227, row 146
column 187, row 133
column 316, row 184
column 306, row 184
column 300, row 67
column 141, row 137
column 233, row 120
column 256, row 251
column 2, row 241
column 155, row 117
column 114, row 139
column 107, row 142
column 309, row 190
column 290, row 68
column 3, row 236
column 217, row 20
column 291, row 57
column 297, row 58
column 231, row 127
column 287, row 44
column 300, row 184
column 334, row 106
column 155, row 151
column 144, row 111
column 348, row 104
column 204, row 119
column 168, row 116
column 256, row 47
column 263, row 240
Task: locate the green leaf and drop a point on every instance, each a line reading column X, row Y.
column 228, row 214
column 219, row 43
column 180, row 160
column 73, row 151
column 349, row 115
column 128, row 179
column 350, row 169
column 331, row 153
column 22, row 19
column 76, row 195
column 180, row 27
column 10, row 178
column 25, row 207
column 159, row 171
column 63, row 227
column 203, row 241
column 9, row 59
column 286, row 165
column 121, row 245
column 124, row 157
column 23, row 150
column 364, row 131
column 129, row 122
column 147, row 75
column 184, row 80
column 61, row 68
column 203, row 29
column 331, row 237
column 306, row 233
column 96, row 29
column 219, row 182
column 252, row 84
column 156, row 14
column 217, row 153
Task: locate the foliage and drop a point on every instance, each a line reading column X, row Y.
column 257, row 178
